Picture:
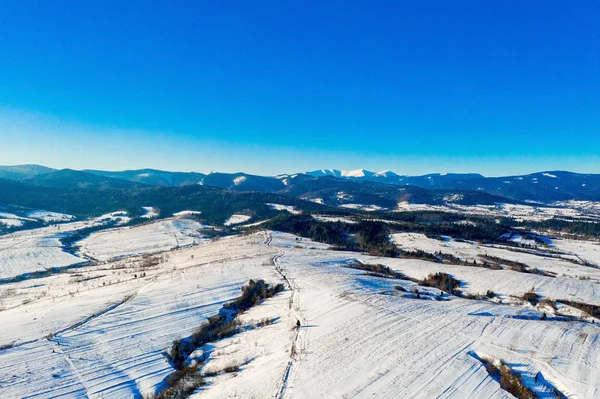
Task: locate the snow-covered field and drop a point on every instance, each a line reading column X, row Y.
column 21, row 253
column 563, row 264
column 13, row 220
column 236, row 219
column 288, row 208
column 186, row 213
column 363, row 207
column 40, row 249
column 157, row 236
column 49, row 216
column 566, row 210
column 101, row 330
column 343, row 219
column 149, row 212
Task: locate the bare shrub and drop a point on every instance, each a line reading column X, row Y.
column 531, row 297
column 442, row 281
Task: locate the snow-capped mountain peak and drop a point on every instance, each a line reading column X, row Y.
column 341, row 173
column 386, row 173
column 357, row 173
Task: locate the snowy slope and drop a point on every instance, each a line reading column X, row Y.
column 153, row 237
column 101, row 330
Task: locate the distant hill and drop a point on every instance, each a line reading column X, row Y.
column 543, row 187
column 68, row 178
column 335, row 192
column 153, row 177
column 216, row 204
column 23, row 171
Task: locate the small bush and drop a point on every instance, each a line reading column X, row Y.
column 442, row 281
column 531, row 297
column 182, row 383
column 234, row 368
column 378, row 270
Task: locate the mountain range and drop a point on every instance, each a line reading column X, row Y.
column 332, row 186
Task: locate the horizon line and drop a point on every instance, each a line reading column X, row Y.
column 87, row 170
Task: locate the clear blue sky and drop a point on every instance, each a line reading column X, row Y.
column 497, row 87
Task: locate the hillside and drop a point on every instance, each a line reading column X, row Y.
column 152, row 177
column 215, row 204
column 336, row 192
column 23, row 171
column 68, row 178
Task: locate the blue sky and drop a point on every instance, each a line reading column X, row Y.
column 496, row 87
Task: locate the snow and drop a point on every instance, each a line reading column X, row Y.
column 385, row 173
column 316, row 200
column 453, row 197
column 33, row 251
column 6, row 215
column 149, row 212
column 560, row 264
column 117, row 351
column 101, row 330
column 356, row 173
column 590, row 209
column 567, row 210
column 239, row 180
column 157, row 236
column 186, row 213
column 287, row 240
column 244, row 226
column 12, row 222
column 341, row 173
column 585, row 250
column 236, row 219
column 288, row 208
column 119, row 217
column 363, row 207
column 47, row 216
column 324, row 218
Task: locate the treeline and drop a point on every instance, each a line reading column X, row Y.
column 373, row 236
column 437, row 223
column 365, row 236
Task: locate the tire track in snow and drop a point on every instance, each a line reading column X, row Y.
column 553, row 376
column 76, row 373
column 294, row 352
column 54, row 338
column 107, row 309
